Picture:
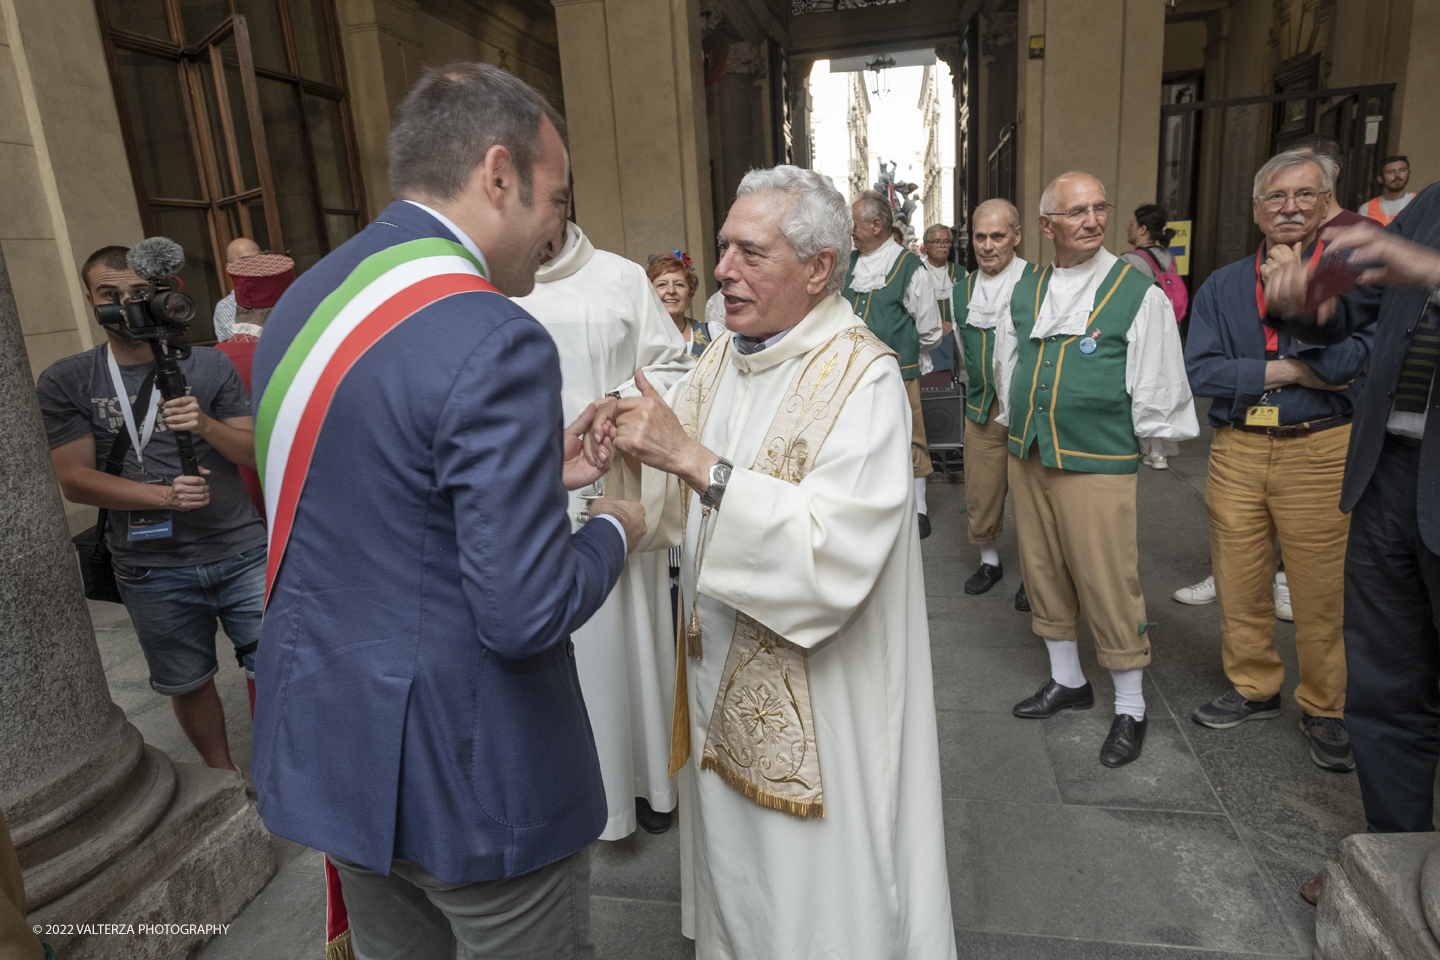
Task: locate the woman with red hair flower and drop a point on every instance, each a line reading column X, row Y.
column 673, row 276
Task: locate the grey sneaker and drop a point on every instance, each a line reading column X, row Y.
column 1231, row 709
column 1329, row 743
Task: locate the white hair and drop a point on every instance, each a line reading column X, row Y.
column 935, row 228
column 998, row 203
column 1329, row 169
column 874, row 206
column 1051, row 197
column 818, row 217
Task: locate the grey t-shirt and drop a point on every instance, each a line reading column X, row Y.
column 77, row 397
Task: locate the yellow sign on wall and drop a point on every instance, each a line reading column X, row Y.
column 1180, row 245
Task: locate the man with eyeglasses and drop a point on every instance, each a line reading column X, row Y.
column 1090, row 373
column 1281, row 412
column 944, row 274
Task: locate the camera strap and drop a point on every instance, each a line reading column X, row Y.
column 139, row 439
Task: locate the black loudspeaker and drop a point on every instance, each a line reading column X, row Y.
column 942, row 404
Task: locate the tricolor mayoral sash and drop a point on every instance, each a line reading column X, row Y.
column 383, row 291
column 761, row 736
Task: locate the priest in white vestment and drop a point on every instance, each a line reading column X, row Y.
column 811, row 818
column 606, row 320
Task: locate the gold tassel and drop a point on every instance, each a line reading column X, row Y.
column 809, row 809
column 692, row 635
column 340, row 948
column 680, row 715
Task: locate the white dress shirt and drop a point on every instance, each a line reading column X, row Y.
column 1162, row 408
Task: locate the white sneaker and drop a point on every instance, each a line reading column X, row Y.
column 1282, row 598
column 1198, row 594
column 1156, row 462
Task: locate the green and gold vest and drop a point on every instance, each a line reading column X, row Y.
column 1068, row 396
column 978, row 345
column 884, row 311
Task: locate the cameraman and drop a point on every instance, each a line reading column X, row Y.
column 212, row 562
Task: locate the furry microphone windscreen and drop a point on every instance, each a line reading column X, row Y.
column 156, row 258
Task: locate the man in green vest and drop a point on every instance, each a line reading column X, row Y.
column 1091, row 374
column 982, row 304
column 890, row 291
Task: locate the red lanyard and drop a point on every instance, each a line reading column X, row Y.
column 1272, row 339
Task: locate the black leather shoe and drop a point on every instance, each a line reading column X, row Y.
column 1052, row 698
column 983, row 579
column 1127, row 736
column 1022, row 602
column 924, row 526
column 649, row 819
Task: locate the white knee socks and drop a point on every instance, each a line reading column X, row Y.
column 920, row 495
column 1065, row 670
column 991, row 556
column 1065, row 663
column 1128, row 696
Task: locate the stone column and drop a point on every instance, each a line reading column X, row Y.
column 107, row 829
column 1381, row 899
column 1091, row 103
column 635, row 106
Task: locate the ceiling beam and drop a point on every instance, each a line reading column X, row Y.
column 899, row 26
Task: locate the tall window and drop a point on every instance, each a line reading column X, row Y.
column 237, row 124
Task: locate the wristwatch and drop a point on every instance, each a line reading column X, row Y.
column 719, row 477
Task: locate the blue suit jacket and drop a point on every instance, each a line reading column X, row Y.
column 1225, row 355
column 416, row 694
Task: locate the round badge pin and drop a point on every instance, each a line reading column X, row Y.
column 1087, row 345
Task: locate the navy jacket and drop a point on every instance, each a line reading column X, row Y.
column 1392, row 312
column 416, row 694
column 1225, row 355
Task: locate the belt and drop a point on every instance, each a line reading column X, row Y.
column 1297, row 429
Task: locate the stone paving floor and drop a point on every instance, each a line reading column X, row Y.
column 1194, row 852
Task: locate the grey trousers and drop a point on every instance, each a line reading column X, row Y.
column 409, row 915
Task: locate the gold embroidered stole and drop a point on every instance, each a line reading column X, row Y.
column 694, row 412
column 761, row 735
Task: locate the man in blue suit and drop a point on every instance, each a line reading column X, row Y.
column 418, row 715
column 1392, row 491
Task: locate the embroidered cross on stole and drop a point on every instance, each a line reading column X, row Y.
column 761, row 735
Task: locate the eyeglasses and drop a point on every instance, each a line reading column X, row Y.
column 1304, row 199
column 1077, row 215
column 938, row 243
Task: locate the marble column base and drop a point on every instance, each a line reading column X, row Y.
column 202, row 860
column 1381, row 899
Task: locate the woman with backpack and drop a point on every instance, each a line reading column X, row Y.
column 1148, row 234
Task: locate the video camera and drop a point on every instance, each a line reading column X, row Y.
column 162, row 313
column 158, row 316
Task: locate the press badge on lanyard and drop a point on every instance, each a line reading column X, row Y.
column 144, row 524
column 1262, row 415
column 1265, row 414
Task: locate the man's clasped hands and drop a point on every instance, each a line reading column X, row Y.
column 642, row 427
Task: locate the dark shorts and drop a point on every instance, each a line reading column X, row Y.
column 175, row 609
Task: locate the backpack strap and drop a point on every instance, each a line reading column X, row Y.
column 1153, row 262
